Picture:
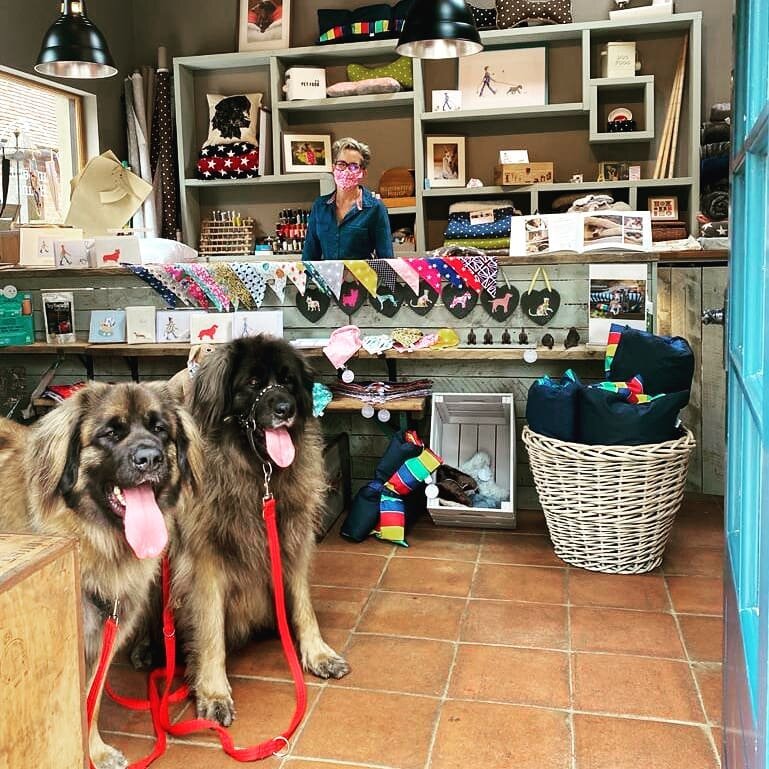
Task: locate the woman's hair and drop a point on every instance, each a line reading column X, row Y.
column 348, row 143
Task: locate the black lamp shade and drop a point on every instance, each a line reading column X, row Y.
column 439, row 29
column 74, row 47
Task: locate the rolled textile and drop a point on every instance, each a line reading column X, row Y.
column 468, row 206
column 719, row 229
column 715, row 149
column 482, row 243
column 720, row 112
column 715, row 204
column 714, row 170
column 715, row 132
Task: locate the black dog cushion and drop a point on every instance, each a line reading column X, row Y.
column 607, row 419
column 233, row 119
column 552, row 407
column 528, row 13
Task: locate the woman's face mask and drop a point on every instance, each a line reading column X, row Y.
column 346, row 179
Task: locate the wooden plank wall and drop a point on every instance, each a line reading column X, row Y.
column 682, row 295
column 367, row 441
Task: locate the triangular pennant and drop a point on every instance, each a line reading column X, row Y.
column 363, row 274
column 387, row 276
column 183, row 285
column 427, row 272
column 485, row 268
column 252, row 279
column 331, row 273
column 275, row 275
column 464, row 272
column 169, row 296
column 314, row 275
column 226, row 279
column 447, row 272
column 207, row 284
column 295, row 272
column 406, row 272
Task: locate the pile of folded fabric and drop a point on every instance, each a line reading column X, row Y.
column 482, row 224
column 714, row 178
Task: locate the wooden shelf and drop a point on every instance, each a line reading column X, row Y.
column 513, row 113
column 335, row 103
column 467, row 192
column 258, row 181
column 411, row 405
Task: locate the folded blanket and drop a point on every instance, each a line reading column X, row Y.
column 461, row 225
column 715, row 204
column 714, row 244
column 720, row 112
column 714, row 170
column 484, row 243
column 715, row 148
column 467, row 206
column 719, row 229
column 715, row 132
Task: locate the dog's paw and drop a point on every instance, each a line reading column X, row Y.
column 328, row 665
column 216, row 708
column 109, row 758
column 142, row 657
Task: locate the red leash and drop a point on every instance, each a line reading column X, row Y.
column 158, row 703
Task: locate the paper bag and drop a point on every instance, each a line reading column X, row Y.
column 105, row 196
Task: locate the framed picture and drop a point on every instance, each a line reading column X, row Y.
column 513, row 78
column 617, row 294
column 303, row 153
column 263, row 24
column 664, row 208
column 445, row 161
column 447, row 101
column 613, row 172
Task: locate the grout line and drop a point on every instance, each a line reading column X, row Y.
column 456, row 643
column 570, row 651
column 338, row 762
column 696, row 683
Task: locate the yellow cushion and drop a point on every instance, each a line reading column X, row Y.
column 400, row 69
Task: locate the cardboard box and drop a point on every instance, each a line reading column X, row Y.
column 305, row 83
column 42, row 680
column 524, row 173
column 336, row 461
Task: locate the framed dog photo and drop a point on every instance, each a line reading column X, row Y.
column 445, row 161
column 447, row 101
column 306, row 153
column 263, row 24
column 663, row 208
column 613, row 172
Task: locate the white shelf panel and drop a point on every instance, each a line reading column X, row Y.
column 622, row 137
column 477, row 115
column 621, row 82
column 402, row 210
column 379, row 101
column 257, row 181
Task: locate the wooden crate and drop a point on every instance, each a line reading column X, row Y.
column 524, row 173
column 336, row 459
column 461, row 425
column 42, row 710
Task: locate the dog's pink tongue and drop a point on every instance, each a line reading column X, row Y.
column 280, row 447
column 145, row 528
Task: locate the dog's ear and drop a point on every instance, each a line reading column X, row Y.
column 307, row 378
column 212, row 389
column 189, row 454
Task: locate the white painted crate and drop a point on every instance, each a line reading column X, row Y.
column 461, row 425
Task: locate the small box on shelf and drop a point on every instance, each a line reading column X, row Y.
column 524, row 173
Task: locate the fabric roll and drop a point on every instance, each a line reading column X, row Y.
column 714, row 170
column 715, row 149
column 715, row 132
column 132, row 142
column 469, row 206
column 718, row 229
column 483, row 243
column 144, row 171
column 715, row 205
column 163, row 155
column 720, row 112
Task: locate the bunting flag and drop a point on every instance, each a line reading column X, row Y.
column 486, row 269
column 275, row 277
column 427, row 272
column 226, row 278
column 317, row 278
column 407, row 273
column 185, row 283
column 200, row 274
column 252, row 279
column 447, row 272
column 160, row 272
column 387, row 276
column 168, row 295
column 464, row 272
column 295, row 272
column 363, row 273
column 330, row 273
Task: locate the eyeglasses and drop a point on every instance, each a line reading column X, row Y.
column 342, row 165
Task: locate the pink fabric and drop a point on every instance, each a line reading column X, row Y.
column 342, row 345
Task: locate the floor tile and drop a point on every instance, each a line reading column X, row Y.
column 693, row 561
column 508, row 674
column 521, row 549
column 631, row 632
column 369, row 727
column 697, row 595
column 622, row 591
column 436, row 577
column 423, row 616
column 703, row 637
column 477, row 734
column 179, row 755
column 347, row 569
column 718, row 738
column 398, row 664
column 710, row 679
column 516, row 624
column 301, row 763
column 636, row 686
column 621, row 743
column 699, row 530
column 520, row 583
column 530, row 522
column 371, row 545
column 338, row 608
column 437, row 542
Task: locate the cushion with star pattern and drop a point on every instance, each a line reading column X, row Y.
column 228, row 161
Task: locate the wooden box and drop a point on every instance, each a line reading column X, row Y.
column 336, row 459
column 524, row 173
column 9, row 247
column 42, row 708
column 461, row 425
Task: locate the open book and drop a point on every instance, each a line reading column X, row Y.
column 590, row 231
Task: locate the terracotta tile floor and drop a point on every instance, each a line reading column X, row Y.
column 482, row 649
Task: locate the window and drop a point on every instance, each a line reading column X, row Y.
column 43, row 135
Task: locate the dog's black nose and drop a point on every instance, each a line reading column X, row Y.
column 147, row 458
column 283, row 409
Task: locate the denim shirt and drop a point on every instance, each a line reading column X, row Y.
column 365, row 229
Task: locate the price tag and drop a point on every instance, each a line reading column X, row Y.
column 482, row 217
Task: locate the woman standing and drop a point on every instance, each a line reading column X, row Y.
column 350, row 223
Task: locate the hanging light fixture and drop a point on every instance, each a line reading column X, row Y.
column 439, row 29
column 74, row 47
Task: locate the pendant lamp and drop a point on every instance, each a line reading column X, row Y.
column 439, row 29
column 74, row 47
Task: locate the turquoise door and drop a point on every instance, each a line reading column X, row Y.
column 747, row 502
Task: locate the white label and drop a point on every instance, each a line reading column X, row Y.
column 513, row 156
column 482, row 217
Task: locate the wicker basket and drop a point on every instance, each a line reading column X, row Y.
column 609, row 508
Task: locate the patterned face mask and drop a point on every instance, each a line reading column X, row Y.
column 347, row 179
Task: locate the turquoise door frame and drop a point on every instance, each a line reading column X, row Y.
column 747, row 495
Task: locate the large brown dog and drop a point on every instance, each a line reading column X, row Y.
column 252, row 401
column 106, row 466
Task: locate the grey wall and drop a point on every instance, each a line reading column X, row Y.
column 135, row 28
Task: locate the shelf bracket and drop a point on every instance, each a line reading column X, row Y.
column 133, row 366
column 87, row 361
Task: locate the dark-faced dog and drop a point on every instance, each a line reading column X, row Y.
column 107, row 466
column 252, row 400
column 232, row 114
